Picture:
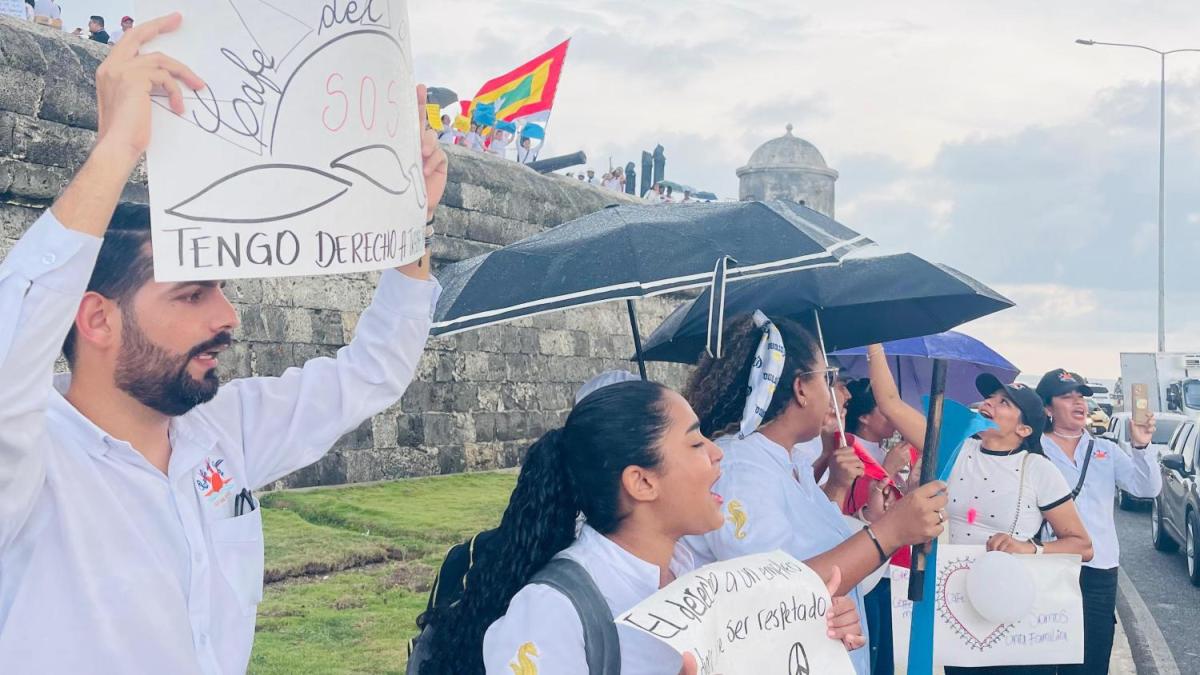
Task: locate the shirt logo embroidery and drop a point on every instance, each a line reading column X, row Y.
column 737, row 518
column 213, row 483
column 1100, row 454
column 523, row 664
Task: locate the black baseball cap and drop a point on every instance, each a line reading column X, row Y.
column 1033, row 412
column 1059, row 381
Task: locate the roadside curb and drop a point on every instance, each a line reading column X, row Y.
column 1147, row 645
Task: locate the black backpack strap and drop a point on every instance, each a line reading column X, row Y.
column 600, row 639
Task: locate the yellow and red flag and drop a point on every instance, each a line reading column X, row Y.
column 528, row 89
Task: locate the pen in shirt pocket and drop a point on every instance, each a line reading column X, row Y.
column 244, row 503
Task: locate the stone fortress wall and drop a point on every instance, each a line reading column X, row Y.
column 479, row 399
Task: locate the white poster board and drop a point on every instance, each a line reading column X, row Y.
column 302, row 156
column 752, row 615
column 13, row 8
column 1049, row 633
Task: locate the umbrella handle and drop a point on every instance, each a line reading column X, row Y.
column 637, row 339
column 929, row 468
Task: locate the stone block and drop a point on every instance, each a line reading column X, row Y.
column 326, row 326
column 556, row 343
column 243, row 291
column 349, row 323
column 329, row 470
column 15, row 220
column 235, row 362
column 32, row 181
column 449, row 249
column 20, row 91
column 306, row 352
column 18, row 48
column 485, row 426
column 450, row 367
column 410, row 430
column 361, row 437
column 447, row 429
column 293, row 324
column 271, row 359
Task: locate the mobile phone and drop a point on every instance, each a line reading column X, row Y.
column 1141, row 404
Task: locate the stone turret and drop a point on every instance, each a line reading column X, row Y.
column 789, row 167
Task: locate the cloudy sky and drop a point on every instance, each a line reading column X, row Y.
column 972, row 133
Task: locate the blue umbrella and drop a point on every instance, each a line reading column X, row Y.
column 911, row 361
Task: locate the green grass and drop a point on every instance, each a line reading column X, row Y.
column 417, row 517
column 323, row 620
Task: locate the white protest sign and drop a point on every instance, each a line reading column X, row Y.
column 13, row 8
column 302, row 156
column 756, row 614
column 1049, row 633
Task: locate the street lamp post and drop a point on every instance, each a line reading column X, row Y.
column 1162, row 155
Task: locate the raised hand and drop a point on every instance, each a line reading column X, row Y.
column 125, row 81
column 432, row 156
column 1140, row 435
column 842, row 617
column 916, row 519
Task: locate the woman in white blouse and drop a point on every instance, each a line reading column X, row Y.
column 771, row 498
column 632, row 459
column 1002, row 488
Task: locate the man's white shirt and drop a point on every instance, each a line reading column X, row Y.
column 106, row 564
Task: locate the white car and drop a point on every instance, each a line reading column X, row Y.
column 1165, row 425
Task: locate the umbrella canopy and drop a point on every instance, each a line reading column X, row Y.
column 861, row 301
column 911, row 361
column 441, row 96
column 705, row 195
column 632, row 251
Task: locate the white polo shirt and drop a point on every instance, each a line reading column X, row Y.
column 545, row 618
column 772, row 502
column 106, row 564
column 1112, row 466
column 1001, row 492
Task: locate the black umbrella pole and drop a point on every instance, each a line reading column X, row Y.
column 929, row 467
column 637, row 339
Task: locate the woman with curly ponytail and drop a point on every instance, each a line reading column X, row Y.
column 769, row 393
column 632, row 460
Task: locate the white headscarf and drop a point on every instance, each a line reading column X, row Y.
column 764, row 375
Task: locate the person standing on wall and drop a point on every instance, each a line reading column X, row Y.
column 130, row 541
column 1095, row 468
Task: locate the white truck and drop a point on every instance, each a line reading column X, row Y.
column 1172, row 380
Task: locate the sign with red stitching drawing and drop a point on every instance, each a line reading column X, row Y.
column 997, row 609
column 301, row 156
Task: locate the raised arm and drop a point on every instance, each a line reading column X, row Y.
column 45, row 275
column 1137, row 473
column 908, row 420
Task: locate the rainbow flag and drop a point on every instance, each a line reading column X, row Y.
column 528, row 89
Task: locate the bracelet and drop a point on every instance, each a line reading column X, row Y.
column 883, row 557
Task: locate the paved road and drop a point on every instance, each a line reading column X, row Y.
column 1161, row 580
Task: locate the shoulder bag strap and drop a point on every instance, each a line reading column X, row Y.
column 1083, row 473
column 600, row 639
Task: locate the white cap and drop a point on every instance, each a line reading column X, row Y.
column 603, row 380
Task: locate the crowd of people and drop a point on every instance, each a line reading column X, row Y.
column 130, row 539
column 49, row 12
column 489, row 140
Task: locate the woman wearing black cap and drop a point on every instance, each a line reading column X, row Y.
column 1095, row 468
column 1001, row 486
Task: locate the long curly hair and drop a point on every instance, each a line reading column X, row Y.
column 573, row 469
column 718, row 388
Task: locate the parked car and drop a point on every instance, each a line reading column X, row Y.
column 1097, row 418
column 1165, row 425
column 1175, row 514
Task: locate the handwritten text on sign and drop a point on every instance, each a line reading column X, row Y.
column 756, row 614
column 1050, row 632
column 302, row 155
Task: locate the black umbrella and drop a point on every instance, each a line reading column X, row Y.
column 632, row 251
column 861, row 301
column 441, row 96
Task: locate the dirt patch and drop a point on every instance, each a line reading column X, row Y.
column 412, row 576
